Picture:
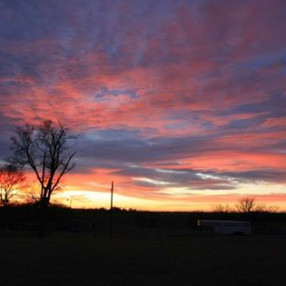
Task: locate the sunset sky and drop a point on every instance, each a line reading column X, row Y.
column 181, row 103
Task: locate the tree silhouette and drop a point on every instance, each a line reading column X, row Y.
column 11, row 179
column 222, row 208
column 246, row 205
column 47, row 149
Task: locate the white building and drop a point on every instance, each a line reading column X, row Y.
column 225, row 226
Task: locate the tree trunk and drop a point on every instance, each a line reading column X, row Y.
column 43, row 209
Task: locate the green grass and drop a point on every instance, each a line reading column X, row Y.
column 66, row 259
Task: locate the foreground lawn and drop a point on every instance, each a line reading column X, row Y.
column 65, row 259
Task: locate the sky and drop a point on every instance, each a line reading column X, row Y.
column 181, row 103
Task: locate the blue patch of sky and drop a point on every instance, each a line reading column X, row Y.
column 274, row 105
column 262, row 61
column 245, row 123
column 177, row 126
column 113, row 135
column 106, row 92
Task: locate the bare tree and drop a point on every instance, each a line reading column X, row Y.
column 273, row 209
column 48, row 150
column 222, row 208
column 264, row 208
column 246, row 205
column 11, row 179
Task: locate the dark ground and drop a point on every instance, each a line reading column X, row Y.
column 146, row 249
column 146, row 259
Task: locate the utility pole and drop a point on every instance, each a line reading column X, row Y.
column 70, row 202
column 111, row 210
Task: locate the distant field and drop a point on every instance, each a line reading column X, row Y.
column 83, row 259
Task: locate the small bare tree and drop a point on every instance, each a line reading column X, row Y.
column 268, row 209
column 47, row 150
column 221, row 208
column 246, row 205
column 11, row 179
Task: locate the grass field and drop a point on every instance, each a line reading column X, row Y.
column 84, row 259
